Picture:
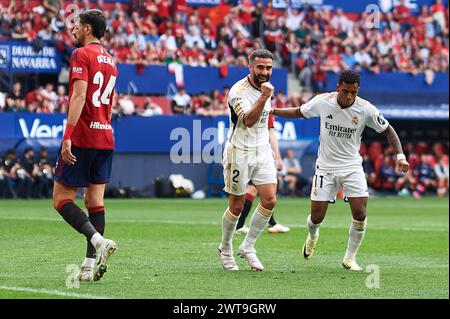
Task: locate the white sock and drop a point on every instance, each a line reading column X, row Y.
column 88, row 262
column 96, row 240
column 356, row 235
column 229, row 222
column 258, row 223
column 312, row 228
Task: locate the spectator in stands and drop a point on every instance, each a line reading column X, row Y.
column 348, row 58
column 151, row 108
column 245, row 10
column 438, row 12
column 341, row 22
column 388, row 175
column 425, row 173
column 46, row 34
column 192, row 37
column 20, row 181
column 362, row 57
column 441, row 171
column 167, row 41
column 52, row 7
column 49, row 95
column 294, row 18
column 6, row 183
column 403, row 16
column 45, row 173
column 15, row 99
column 35, row 180
column 127, row 106
column 272, row 37
column 369, row 170
column 181, row 102
column 62, row 100
column 293, row 178
column 208, row 40
column 333, row 61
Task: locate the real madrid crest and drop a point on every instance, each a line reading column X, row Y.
column 354, row 120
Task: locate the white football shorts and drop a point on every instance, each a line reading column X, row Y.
column 240, row 167
column 325, row 186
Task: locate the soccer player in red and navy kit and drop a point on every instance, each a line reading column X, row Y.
column 87, row 148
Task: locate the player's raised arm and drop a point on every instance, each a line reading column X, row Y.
column 393, row 139
column 289, row 112
column 75, row 108
column 253, row 116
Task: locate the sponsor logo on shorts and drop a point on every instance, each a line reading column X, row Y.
column 100, row 126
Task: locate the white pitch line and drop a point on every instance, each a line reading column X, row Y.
column 53, row 292
column 188, row 222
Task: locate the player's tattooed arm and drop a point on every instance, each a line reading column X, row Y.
column 394, row 141
column 289, row 112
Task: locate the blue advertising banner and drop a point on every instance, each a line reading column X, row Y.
column 157, row 79
column 203, row 3
column 22, row 57
column 135, row 134
column 348, row 5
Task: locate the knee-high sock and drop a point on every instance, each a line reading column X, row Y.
column 356, row 236
column 97, row 219
column 229, row 222
column 257, row 224
column 312, row 228
column 247, row 206
column 76, row 218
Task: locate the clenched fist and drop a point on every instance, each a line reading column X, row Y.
column 267, row 89
column 402, row 166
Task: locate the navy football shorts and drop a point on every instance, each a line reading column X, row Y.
column 92, row 167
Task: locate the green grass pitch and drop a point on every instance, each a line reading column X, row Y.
column 168, row 249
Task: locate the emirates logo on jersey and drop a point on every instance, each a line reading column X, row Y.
column 354, row 120
column 77, row 69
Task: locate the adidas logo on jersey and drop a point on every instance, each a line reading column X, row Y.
column 330, row 117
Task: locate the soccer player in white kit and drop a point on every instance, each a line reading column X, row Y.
column 248, row 157
column 343, row 117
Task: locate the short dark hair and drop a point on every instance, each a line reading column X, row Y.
column 261, row 53
column 28, row 149
column 349, row 76
column 96, row 19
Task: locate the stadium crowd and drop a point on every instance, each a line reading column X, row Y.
column 310, row 42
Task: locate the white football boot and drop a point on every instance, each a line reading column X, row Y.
column 242, row 231
column 228, row 261
column 252, row 259
column 278, row 229
column 107, row 248
column 85, row 274
column 351, row 264
column 309, row 247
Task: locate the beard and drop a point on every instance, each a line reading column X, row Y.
column 79, row 41
column 258, row 79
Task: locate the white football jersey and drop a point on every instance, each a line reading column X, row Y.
column 241, row 98
column 341, row 130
